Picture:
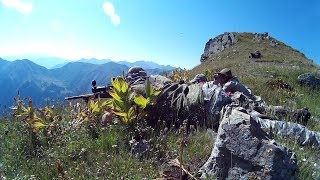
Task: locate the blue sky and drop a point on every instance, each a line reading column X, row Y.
column 164, row 31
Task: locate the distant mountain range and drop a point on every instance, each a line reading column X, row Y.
column 54, row 62
column 41, row 84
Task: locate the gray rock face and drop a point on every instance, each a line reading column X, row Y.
column 310, row 80
column 243, row 150
column 218, row 44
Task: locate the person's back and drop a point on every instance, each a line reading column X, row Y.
column 230, row 83
column 234, row 85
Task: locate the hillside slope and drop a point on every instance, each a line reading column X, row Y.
column 279, row 63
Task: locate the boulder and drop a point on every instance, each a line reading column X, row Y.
column 243, row 150
column 310, row 80
column 255, row 55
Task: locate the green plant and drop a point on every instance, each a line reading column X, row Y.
column 120, row 101
column 95, row 110
column 28, row 115
column 178, row 75
column 209, row 74
column 151, row 95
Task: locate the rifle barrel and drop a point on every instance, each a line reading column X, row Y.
column 84, row 96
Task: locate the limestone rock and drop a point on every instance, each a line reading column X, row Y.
column 243, row 150
column 218, row 44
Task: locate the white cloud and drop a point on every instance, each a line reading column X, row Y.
column 22, row 7
column 110, row 11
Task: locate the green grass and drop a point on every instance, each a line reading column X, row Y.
column 85, row 158
column 308, row 159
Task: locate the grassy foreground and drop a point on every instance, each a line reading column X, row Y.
column 71, row 152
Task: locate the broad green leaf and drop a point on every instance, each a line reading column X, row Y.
column 122, row 114
column 109, row 102
column 141, row 101
column 106, row 103
column 36, row 118
column 156, row 92
column 37, row 126
column 125, row 120
column 115, row 96
column 120, row 104
column 131, row 113
column 116, row 84
column 91, row 104
column 96, row 109
column 124, row 86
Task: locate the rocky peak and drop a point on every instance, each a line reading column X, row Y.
column 226, row 40
column 218, row 44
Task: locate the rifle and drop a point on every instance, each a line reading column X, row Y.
column 97, row 91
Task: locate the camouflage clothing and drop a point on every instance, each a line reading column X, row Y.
column 234, row 85
column 176, row 102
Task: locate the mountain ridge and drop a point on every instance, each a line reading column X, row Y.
column 41, row 84
column 54, row 62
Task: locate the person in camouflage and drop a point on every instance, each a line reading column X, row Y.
column 230, row 83
column 177, row 101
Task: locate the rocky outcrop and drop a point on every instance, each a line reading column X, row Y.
column 261, row 36
column 310, row 80
column 218, row 44
column 243, row 150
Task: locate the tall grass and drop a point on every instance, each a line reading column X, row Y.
column 74, row 154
